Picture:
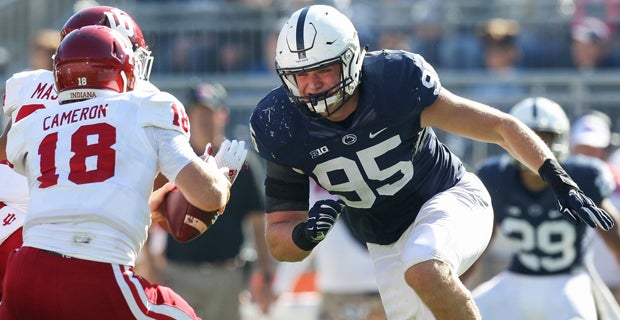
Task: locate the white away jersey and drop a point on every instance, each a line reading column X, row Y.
column 29, row 87
column 90, row 167
column 13, row 200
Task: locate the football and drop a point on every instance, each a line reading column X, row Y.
column 184, row 221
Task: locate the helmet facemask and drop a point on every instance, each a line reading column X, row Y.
column 316, row 37
column 143, row 63
column 329, row 101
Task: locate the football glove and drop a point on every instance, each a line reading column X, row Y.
column 572, row 201
column 321, row 218
column 231, row 155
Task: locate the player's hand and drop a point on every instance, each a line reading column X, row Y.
column 157, row 199
column 231, row 155
column 321, row 218
column 572, row 201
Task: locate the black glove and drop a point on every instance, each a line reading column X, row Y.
column 572, row 201
column 321, row 219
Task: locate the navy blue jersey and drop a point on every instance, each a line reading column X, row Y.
column 548, row 243
column 383, row 164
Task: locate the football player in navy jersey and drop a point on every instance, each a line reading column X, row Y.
column 359, row 124
column 546, row 277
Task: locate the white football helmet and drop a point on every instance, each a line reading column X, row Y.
column 314, row 37
column 544, row 115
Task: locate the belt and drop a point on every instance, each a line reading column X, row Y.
column 54, row 253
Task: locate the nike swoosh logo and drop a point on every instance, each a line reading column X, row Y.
column 374, row 134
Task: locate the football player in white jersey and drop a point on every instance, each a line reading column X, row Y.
column 90, row 163
column 36, row 87
column 13, row 204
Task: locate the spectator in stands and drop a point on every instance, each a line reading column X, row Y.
column 605, row 10
column 426, row 40
column 42, row 48
column 265, row 63
column 458, row 46
column 232, row 55
column 501, row 54
column 394, row 39
column 591, row 43
column 210, row 271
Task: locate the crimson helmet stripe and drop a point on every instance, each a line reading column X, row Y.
column 301, row 51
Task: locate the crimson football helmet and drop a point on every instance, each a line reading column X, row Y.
column 315, row 37
column 120, row 21
column 93, row 61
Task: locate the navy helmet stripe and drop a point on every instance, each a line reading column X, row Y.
column 300, row 33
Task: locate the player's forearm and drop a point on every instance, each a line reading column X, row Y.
column 281, row 244
column 523, row 144
column 204, row 186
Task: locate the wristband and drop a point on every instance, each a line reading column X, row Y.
column 301, row 239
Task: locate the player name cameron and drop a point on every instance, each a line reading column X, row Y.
column 76, row 115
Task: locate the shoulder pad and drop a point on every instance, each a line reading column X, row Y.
column 162, row 110
column 275, row 122
column 145, row 86
column 29, row 87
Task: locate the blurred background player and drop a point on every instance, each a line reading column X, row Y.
column 591, row 135
column 87, row 219
column 211, row 271
column 546, row 278
column 14, row 199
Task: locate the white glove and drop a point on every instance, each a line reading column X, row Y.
column 231, row 155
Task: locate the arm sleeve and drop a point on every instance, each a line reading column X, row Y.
column 285, row 189
column 173, row 150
